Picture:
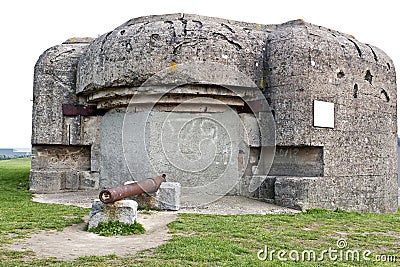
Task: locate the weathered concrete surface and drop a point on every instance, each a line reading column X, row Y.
column 351, row 166
column 298, row 161
column 223, row 205
column 58, row 167
column 54, row 85
column 169, row 196
column 124, row 211
column 65, row 154
column 139, row 48
column 197, row 154
column 308, row 63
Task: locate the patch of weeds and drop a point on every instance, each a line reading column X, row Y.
column 117, row 228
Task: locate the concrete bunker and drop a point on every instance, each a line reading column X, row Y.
column 331, row 112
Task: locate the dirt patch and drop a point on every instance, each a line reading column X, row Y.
column 73, row 242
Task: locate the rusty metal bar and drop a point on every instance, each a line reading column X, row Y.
column 148, row 185
column 83, row 110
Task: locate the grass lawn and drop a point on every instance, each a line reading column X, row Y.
column 209, row 240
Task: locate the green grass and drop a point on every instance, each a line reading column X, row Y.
column 113, row 228
column 19, row 216
column 235, row 240
column 203, row 240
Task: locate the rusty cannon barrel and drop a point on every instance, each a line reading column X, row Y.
column 148, row 185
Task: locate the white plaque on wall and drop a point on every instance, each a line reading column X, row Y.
column 324, row 114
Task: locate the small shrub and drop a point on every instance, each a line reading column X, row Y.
column 117, row 228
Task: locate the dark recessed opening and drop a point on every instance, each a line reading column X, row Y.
column 244, row 109
column 385, row 95
column 340, row 74
column 388, row 65
column 368, row 76
column 355, row 91
column 357, row 47
column 300, row 161
column 373, row 52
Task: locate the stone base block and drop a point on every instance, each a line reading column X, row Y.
column 146, row 200
column 124, row 211
column 258, row 187
column 295, row 192
column 55, row 181
column 169, row 196
column 88, row 180
column 46, row 181
column 249, row 186
column 267, row 189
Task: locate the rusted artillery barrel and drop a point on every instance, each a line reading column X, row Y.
column 148, row 185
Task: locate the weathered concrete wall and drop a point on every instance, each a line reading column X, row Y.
column 198, row 150
column 113, row 168
column 141, row 47
column 54, row 85
column 60, row 143
column 307, row 63
column 349, row 163
column 58, row 167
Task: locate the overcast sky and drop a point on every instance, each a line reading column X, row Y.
column 30, row 27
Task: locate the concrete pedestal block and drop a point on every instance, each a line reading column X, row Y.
column 169, row 196
column 46, row 181
column 124, row 211
column 146, row 200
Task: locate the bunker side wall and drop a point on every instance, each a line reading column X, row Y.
column 65, row 148
column 308, row 63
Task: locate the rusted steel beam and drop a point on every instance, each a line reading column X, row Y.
column 83, row 110
column 148, row 185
